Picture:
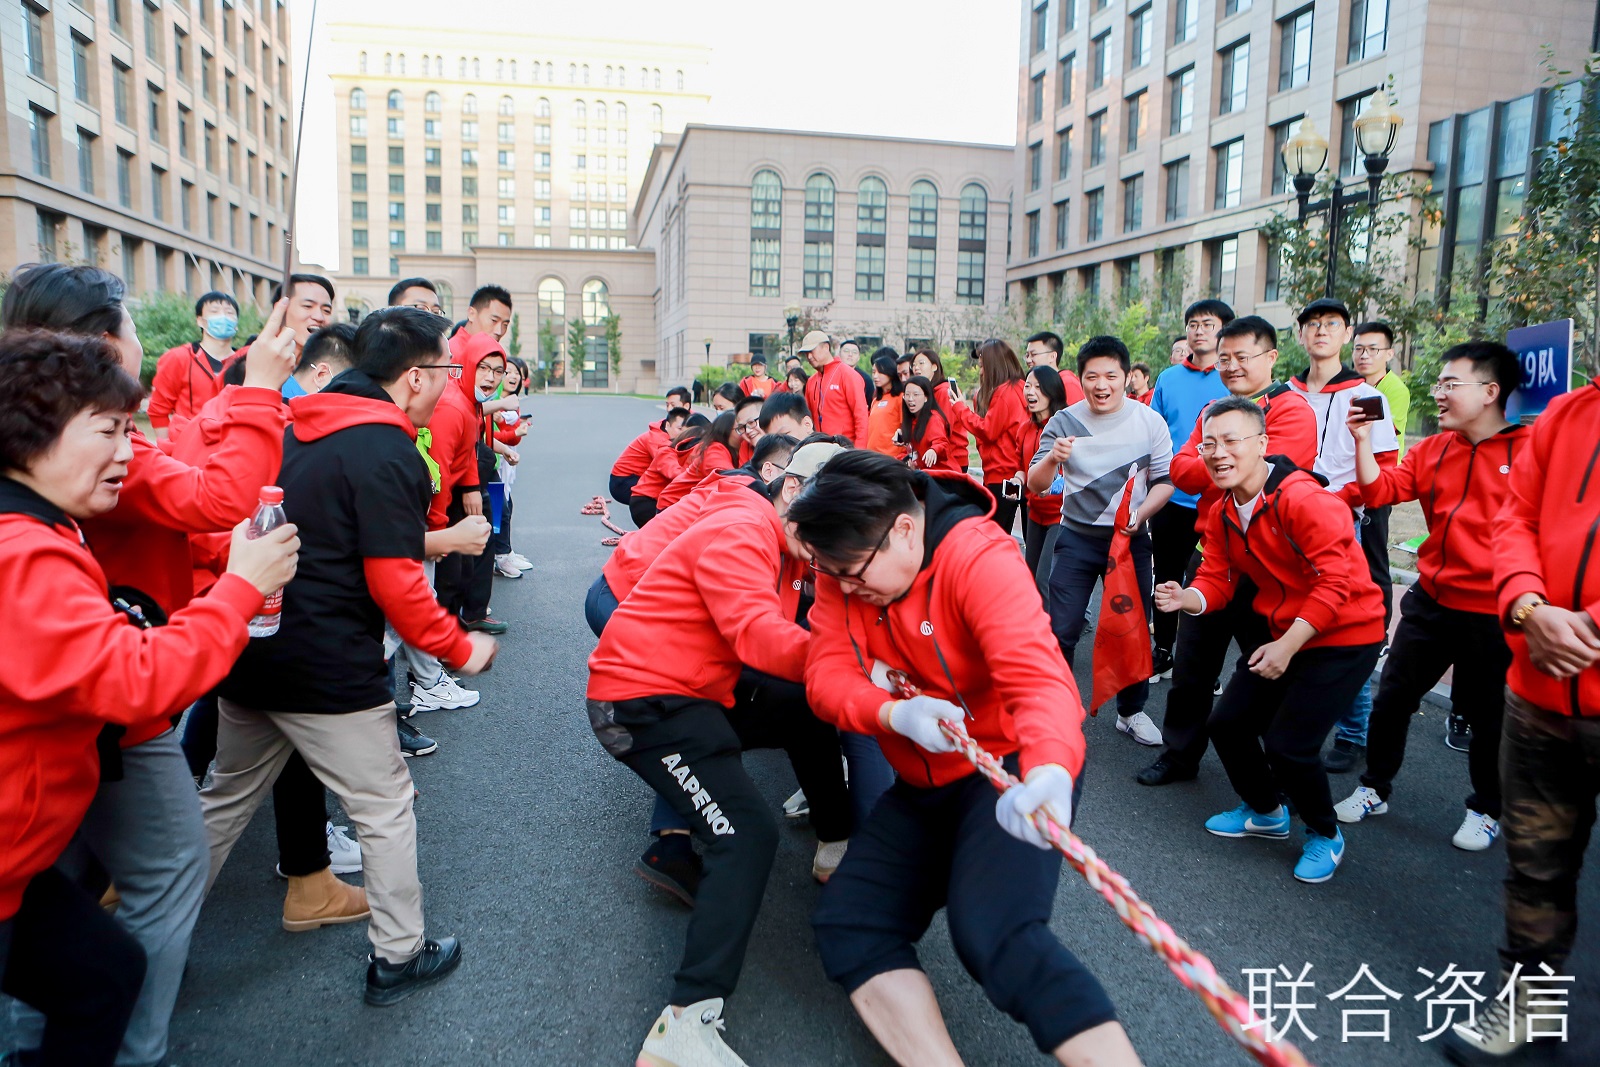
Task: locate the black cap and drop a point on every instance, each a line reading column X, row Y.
column 1321, row 304
column 758, row 358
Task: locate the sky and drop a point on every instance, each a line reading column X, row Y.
column 944, row 69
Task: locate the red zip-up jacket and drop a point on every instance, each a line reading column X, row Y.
column 707, row 607
column 1545, row 541
column 837, row 403
column 664, row 466
column 1043, row 508
column 714, row 459
column 73, row 664
column 639, row 548
column 635, row 459
column 1461, row 487
column 960, row 443
column 1301, row 552
column 937, row 436
column 996, row 431
column 1291, row 432
column 183, row 383
column 970, row 629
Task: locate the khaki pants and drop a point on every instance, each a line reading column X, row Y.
column 357, row 754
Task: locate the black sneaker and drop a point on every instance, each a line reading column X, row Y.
column 390, row 983
column 1165, row 771
column 413, row 742
column 1160, row 665
column 1343, row 756
column 671, row 864
column 1457, row 732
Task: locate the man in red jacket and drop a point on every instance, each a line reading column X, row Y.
column 635, row 459
column 1460, row 475
column 834, row 393
column 1294, row 539
column 190, row 374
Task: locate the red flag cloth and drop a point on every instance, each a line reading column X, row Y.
column 1122, row 635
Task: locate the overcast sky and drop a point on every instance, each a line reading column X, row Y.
column 943, row 69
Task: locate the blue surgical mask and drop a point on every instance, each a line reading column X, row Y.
column 222, row 327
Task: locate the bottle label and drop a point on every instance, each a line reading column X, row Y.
column 273, row 604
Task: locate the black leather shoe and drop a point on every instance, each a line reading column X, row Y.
column 1343, row 756
column 1165, row 771
column 390, row 983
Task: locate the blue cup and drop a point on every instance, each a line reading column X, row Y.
column 497, row 504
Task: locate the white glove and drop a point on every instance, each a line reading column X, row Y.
column 918, row 719
column 1048, row 786
column 930, row 458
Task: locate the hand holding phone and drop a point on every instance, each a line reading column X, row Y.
column 1371, row 406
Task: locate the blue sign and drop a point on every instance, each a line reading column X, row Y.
column 1545, row 352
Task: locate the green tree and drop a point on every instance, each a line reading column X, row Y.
column 613, row 325
column 514, row 338
column 577, row 347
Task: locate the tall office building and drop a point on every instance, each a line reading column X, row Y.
column 1149, row 131
column 150, row 138
column 450, row 139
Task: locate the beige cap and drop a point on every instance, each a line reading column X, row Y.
column 808, row 460
column 812, row 340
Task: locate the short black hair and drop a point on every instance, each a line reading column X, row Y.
column 53, row 296
column 1209, row 306
column 216, row 296
column 1377, row 326
column 334, row 345
column 1244, row 405
column 391, row 341
column 1250, row 326
column 48, row 378
column 680, row 390
column 1142, row 367
column 675, row 413
column 785, row 403
column 403, row 284
column 769, row 446
column 884, row 350
column 233, row 370
column 1491, row 358
column 847, row 507
column 904, row 357
column 747, row 402
column 1103, row 347
column 297, row 279
column 487, row 294
column 1050, row 340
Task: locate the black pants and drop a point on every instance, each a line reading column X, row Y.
column 63, row 955
column 1430, row 639
column 622, row 488
column 463, row 583
column 641, row 509
column 1269, row 733
column 1375, row 546
column 925, row 849
column 1172, row 529
column 1078, row 563
column 1198, row 661
column 1005, row 510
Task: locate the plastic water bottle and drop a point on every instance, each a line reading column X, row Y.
column 269, row 516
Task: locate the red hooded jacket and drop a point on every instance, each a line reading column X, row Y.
column 73, row 664
column 183, row 383
column 1043, row 508
column 960, row 443
column 707, row 607
column 698, row 469
column 1301, row 552
column 996, row 431
column 635, row 459
column 838, row 404
column 1546, row 537
column 970, row 630
column 1461, row 487
column 665, row 466
column 639, row 548
column 1291, row 432
column 938, row 437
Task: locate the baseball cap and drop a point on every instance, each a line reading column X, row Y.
column 809, row 459
column 758, row 359
column 1321, row 304
column 812, row 340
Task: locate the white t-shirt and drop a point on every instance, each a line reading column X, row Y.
column 1336, row 448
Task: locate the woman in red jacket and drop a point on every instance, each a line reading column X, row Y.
column 665, row 465
column 924, row 427
column 77, row 663
column 927, row 364
column 996, row 411
column 714, row 452
column 1045, row 394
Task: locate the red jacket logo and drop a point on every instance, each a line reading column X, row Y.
column 927, row 628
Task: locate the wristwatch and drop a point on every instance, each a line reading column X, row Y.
column 1520, row 616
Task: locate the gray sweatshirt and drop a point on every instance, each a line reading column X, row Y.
column 1107, row 447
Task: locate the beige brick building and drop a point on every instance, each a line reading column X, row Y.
column 1148, row 130
column 150, row 137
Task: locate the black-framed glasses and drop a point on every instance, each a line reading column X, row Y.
column 859, row 572
column 452, row 369
column 1372, row 350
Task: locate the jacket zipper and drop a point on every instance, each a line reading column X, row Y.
column 1577, row 591
column 894, row 641
column 1583, row 486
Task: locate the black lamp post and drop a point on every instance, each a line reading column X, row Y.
column 1306, row 153
column 708, row 350
column 792, row 317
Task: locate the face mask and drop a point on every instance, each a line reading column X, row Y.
column 222, row 327
column 483, row 394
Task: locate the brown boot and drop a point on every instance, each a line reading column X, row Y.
column 322, row 900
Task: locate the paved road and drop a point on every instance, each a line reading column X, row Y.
column 528, row 831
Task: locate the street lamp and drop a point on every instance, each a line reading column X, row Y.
column 791, row 315
column 708, row 350
column 1306, row 153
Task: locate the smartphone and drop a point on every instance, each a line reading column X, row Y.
column 525, row 415
column 1011, row 490
column 1370, row 406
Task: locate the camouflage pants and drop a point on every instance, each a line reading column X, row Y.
column 1550, row 774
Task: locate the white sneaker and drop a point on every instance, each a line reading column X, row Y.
column 829, row 855
column 505, row 568
column 797, row 806
column 444, row 695
column 343, row 850
column 692, row 1039
column 1139, row 727
column 519, row 561
column 1360, row 804
column 1477, row 832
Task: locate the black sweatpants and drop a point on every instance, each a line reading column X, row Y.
column 1198, row 661
column 1430, row 639
column 1375, row 546
column 1005, row 510
column 641, row 509
column 621, row 487
column 925, row 849
column 63, row 955
column 1269, row 733
column 1172, row 529
column 464, row 583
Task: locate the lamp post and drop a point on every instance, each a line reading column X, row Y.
column 791, row 316
column 708, row 350
column 1306, row 153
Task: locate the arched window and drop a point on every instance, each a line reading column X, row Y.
column 596, row 301
column 586, row 74
column 608, row 75
column 461, row 67
column 552, row 310
column 447, row 297
column 476, row 68
column 766, row 233
column 620, row 113
column 872, row 214
column 572, row 73
column 500, row 70
column 550, row 72
column 680, row 81
column 644, row 77
column 469, row 104
column 438, row 66
column 974, row 213
column 396, row 101
column 924, row 214
column 972, row 247
column 552, row 298
column 400, row 63
column 361, row 64
column 922, row 243
column 513, row 70
column 818, row 279
column 507, row 106
column 655, row 115
column 655, row 77
column 600, row 112
column 388, row 63
column 432, row 104
column 622, row 77
column 358, row 99
column 580, row 111
column 542, row 108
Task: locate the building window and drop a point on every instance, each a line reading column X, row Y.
column 122, row 92
column 1036, row 99
column 397, row 239
column 507, row 187
column 1128, row 278
column 397, row 211
column 972, row 244
column 81, row 65
column 1233, row 7
column 1041, row 27
column 1063, row 215
column 183, row 131
column 921, row 275
column 1177, row 190
column 1349, row 150
column 430, row 129
column 125, row 179
column 432, row 103
column 1180, row 103
column 1089, row 282
column 86, row 161
column 1230, row 174
column 1141, row 27
column 1095, row 208
column 358, row 183
column 818, row 266
column 1097, row 138
column 433, row 212
column 506, row 132
column 158, row 193
column 358, row 125
column 397, row 184
column 1035, row 165
column 1369, row 28
column 1294, row 50
column 1066, row 73
column 1136, row 116
column 1100, row 60
column 923, row 216
column 1235, row 77
column 766, row 228
column 33, row 39
column 39, row 140
column 397, row 129
column 1272, row 289
column 469, row 130
column 469, row 214
column 1033, row 234
column 872, row 214
column 1069, row 16
column 1063, row 153
column 397, row 156
column 358, row 210
column 1185, row 20
column 869, row 272
column 469, row 157
column 1223, row 256
column 1280, row 137
column 48, row 224
column 1133, row 204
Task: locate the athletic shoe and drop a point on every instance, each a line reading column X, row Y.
column 1343, row 756
column 829, row 855
column 1457, row 732
column 671, row 865
column 486, row 625
column 1139, row 727
column 519, row 561
column 504, row 568
column 1477, row 832
column 446, row 694
column 1500, row 1032
column 402, row 701
column 1245, row 821
column 1216, row 688
column 343, row 850
column 1160, row 665
column 389, row 983
column 1360, row 804
column 413, row 742
column 1165, row 770
column 1320, row 857
column 693, row 1039
column 797, row 806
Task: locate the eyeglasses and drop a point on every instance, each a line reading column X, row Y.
column 1323, row 325
column 1451, row 386
column 452, row 369
column 1210, row 445
column 1370, row 350
column 749, row 426
column 1239, row 359
column 856, row 575
column 432, row 309
column 496, row 372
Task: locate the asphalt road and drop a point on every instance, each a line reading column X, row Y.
column 528, row 831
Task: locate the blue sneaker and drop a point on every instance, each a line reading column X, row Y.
column 1320, row 857
column 1245, row 821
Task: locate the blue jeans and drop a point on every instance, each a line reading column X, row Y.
column 1079, row 562
column 870, row 773
column 1353, row 727
column 599, row 605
